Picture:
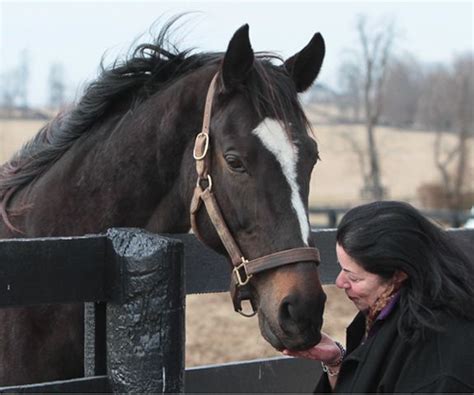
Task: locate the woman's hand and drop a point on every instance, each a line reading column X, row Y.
column 326, row 351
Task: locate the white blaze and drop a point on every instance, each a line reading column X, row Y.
column 276, row 140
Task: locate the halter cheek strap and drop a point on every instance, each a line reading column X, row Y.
column 243, row 269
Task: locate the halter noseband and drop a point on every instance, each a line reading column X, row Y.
column 243, row 269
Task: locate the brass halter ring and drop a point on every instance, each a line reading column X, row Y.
column 206, row 146
column 209, row 182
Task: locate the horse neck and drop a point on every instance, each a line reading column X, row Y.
column 131, row 171
column 172, row 212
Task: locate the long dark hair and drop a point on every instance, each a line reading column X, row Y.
column 387, row 236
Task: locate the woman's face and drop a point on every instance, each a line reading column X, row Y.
column 362, row 287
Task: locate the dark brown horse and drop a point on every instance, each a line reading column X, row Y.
column 123, row 157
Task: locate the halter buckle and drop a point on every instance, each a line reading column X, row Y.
column 241, row 274
column 201, row 146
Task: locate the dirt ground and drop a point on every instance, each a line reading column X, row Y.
column 214, row 332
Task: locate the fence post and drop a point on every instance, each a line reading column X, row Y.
column 145, row 326
column 94, row 339
column 332, row 218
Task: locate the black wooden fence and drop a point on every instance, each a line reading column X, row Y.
column 133, row 284
column 332, row 214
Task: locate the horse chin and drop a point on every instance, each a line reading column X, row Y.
column 269, row 335
column 301, row 346
column 282, row 342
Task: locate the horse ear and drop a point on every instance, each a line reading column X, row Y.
column 238, row 59
column 304, row 66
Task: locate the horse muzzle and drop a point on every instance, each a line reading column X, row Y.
column 293, row 328
column 291, row 307
column 301, row 321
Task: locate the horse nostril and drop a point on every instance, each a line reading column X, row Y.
column 296, row 314
column 286, row 310
column 292, row 311
column 290, row 314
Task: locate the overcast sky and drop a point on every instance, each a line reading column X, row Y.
column 78, row 33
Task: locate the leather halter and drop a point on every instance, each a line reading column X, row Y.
column 243, row 269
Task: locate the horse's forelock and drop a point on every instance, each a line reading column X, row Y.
column 273, row 92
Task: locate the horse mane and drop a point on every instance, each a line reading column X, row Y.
column 123, row 86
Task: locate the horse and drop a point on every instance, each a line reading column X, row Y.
column 126, row 156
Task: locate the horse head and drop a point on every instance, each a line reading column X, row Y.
column 259, row 158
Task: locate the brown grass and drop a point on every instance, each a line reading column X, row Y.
column 14, row 133
column 215, row 334
column 407, row 162
column 406, row 159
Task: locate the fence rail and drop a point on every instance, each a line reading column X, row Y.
column 127, row 268
column 453, row 218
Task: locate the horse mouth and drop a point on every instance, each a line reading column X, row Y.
column 296, row 342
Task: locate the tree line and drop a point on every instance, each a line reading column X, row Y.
column 377, row 87
column 14, row 87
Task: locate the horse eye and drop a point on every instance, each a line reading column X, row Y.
column 235, row 163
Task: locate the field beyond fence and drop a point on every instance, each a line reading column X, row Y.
column 407, row 159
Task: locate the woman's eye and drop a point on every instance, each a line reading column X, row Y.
column 354, row 279
column 235, row 163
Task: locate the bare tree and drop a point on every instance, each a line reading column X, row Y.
column 376, row 51
column 23, row 71
column 464, row 104
column 446, row 106
column 57, row 86
column 14, row 83
column 9, row 92
column 349, row 101
column 402, row 91
column 365, row 78
column 436, row 107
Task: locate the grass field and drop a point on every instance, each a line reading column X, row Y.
column 214, row 332
column 406, row 159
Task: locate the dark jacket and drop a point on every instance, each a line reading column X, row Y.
column 442, row 362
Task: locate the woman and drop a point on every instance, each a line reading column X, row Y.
column 415, row 291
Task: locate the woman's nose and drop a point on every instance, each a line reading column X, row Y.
column 341, row 281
